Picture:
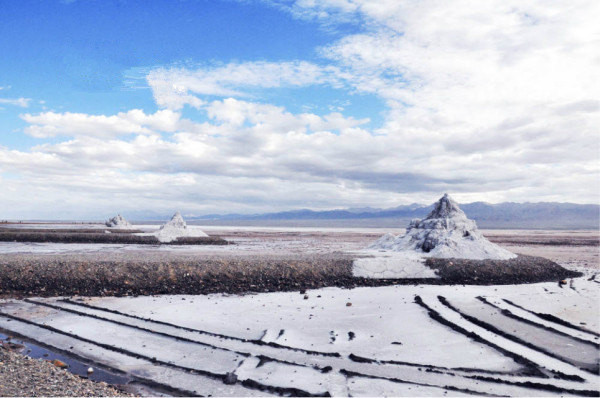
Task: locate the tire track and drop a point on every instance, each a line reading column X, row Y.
column 489, row 327
column 552, row 318
column 511, row 315
column 248, row 383
column 451, row 377
column 435, row 315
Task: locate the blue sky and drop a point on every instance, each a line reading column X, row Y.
column 248, row 106
column 84, row 56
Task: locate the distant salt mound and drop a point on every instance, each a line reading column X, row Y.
column 118, row 222
column 445, row 233
column 177, row 228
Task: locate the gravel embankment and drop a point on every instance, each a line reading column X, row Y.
column 523, row 269
column 165, row 273
column 122, row 237
column 21, row 376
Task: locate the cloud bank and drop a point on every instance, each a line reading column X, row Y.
column 495, row 101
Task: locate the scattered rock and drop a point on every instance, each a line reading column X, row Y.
column 230, row 378
column 58, row 363
column 23, row 376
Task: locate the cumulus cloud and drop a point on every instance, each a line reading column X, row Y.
column 135, row 121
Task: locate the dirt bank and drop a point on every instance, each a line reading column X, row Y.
column 523, row 269
column 168, row 273
column 91, row 237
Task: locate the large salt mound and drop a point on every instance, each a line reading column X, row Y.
column 445, row 233
column 176, row 228
column 118, row 222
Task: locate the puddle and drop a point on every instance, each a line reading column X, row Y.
column 122, row 381
column 75, row 366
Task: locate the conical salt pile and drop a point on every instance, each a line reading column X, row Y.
column 176, row 222
column 445, row 233
column 176, row 228
column 118, row 222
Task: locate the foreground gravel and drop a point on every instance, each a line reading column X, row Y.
column 21, row 376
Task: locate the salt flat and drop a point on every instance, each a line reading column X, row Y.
column 417, row 340
column 394, row 340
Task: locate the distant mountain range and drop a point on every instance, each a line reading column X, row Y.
column 542, row 215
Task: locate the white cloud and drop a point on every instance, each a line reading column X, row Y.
column 22, row 102
column 175, row 87
column 135, row 121
column 488, row 100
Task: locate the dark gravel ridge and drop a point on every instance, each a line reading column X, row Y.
column 139, row 274
column 522, row 269
column 71, row 230
column 120, row 237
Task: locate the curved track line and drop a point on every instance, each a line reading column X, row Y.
column 554, row 319
column 375, row 370
column 456, row 322
column 522, row 316
column 518, row 340
column 248, row 383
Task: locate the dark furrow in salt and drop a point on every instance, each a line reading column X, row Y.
column 530, row 368
column 522, row 340
column 509, row 314
column 248, row 383
column 349, row 373
column 251, row 341
column 552, row 318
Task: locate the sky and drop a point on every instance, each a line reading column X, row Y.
column 228, row 106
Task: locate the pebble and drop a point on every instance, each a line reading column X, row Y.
column 23, row 376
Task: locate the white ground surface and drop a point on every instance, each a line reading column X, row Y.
column 388, row 265
column 201, row 338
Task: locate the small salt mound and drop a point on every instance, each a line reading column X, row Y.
column 118, row 222
column 177, row 228
column 445, row 233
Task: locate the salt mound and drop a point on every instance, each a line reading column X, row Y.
column 177, row 228
column 118, row 222
column 445, row 233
